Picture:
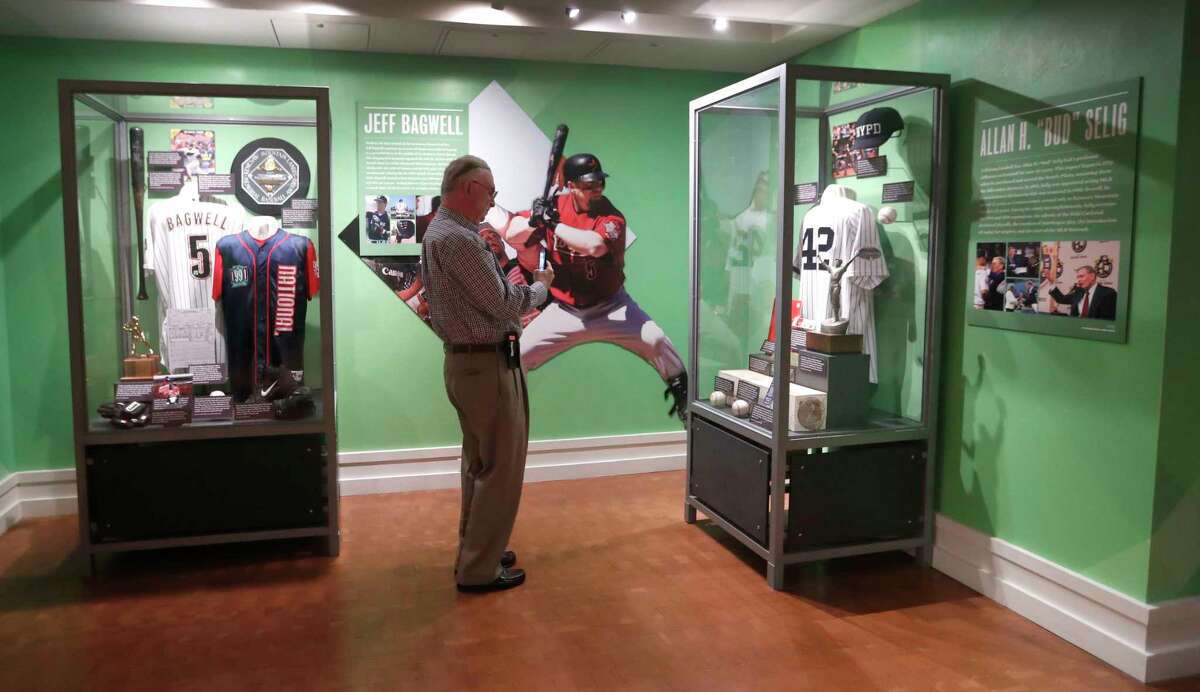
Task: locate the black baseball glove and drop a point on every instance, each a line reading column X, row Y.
column 543, row 216
column 297, row 404
column 132, row 414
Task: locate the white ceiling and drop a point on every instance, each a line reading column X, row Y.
column 668, row 33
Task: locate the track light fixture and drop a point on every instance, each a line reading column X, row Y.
column 572, row 12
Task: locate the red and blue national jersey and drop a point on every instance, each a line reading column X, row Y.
column 264, row 287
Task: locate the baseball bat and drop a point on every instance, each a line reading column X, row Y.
column 137, row 166
column 556, row 152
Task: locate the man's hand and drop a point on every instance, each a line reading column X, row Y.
column 545, row 276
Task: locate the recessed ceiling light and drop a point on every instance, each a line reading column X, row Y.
column 178, row 3
column 720, row 24
column 325, row 8
column 572, row 13
column 628, row 16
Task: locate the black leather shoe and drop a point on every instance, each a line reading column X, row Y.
column 508, row 579
column 508, row 559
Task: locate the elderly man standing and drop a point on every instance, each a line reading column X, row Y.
column 477, row 314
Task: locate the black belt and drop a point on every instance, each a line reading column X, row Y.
column 476, row 348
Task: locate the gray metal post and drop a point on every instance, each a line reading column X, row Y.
column 783, row 327
column 933, row 325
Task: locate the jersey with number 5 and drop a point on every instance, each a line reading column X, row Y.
column 179, row 249
column 835, row 230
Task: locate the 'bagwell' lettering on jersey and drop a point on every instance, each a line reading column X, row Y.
column 264, row 287
column 836, row 229
column 179, row 245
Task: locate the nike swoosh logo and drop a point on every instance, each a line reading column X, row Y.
column 264, row 393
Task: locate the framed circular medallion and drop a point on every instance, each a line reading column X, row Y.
column 267, row 173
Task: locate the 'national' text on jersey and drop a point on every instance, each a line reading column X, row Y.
column 286, row 299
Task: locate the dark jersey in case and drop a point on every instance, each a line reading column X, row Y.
column 264, row 287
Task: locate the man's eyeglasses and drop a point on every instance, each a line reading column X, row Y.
column 492, row 192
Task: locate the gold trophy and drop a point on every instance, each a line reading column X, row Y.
column 139, row 367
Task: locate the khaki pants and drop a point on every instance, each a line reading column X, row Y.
column 493, row 411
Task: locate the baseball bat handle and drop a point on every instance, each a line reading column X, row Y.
column 557, row 145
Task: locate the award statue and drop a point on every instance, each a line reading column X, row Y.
column 836, row 324
column 139, row 366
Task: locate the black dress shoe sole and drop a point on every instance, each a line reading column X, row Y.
column 494, row 586
column 500, row 584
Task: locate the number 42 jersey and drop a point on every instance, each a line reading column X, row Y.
column 836, row 229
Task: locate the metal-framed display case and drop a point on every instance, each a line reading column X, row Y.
column 806, row 179
column 201, row 210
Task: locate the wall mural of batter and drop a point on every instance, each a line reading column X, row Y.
column 575, row 228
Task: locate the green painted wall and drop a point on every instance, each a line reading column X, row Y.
column 1050, row 443
column 390, row 393
column 1175, row 544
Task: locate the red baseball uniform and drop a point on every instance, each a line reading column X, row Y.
column 581, row 281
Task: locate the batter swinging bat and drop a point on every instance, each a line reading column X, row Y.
column 137, row 165
column 556, row 153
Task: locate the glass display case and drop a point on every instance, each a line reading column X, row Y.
column 817, row 207
column 197, row 236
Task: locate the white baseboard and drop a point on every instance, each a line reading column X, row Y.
column 1148, row 642
column 28, row 494
column 402, row 470
column 10, row 502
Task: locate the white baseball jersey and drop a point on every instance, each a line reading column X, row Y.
column 836, row 229
column 180, row 241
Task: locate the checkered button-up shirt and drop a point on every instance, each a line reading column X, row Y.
column 470, row 299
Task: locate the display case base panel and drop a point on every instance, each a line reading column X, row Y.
column 732, row 476
column 201, row 487
column 854, row 495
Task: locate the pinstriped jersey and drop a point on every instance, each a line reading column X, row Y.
column 837, row 229
column 182, row 235
column 179, row 249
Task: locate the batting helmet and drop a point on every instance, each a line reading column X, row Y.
column 583, row 168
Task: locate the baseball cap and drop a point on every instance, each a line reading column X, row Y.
column 876, row 126
column 583, row 168
column 381, row 198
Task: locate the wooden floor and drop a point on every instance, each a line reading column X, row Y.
column 622, row 595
